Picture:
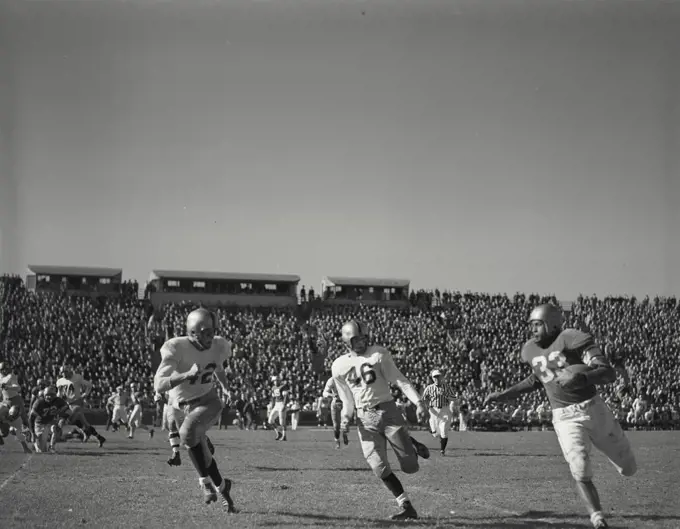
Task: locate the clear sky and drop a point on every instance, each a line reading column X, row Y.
column 488, row 145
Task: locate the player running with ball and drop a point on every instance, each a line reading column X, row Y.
column 568, row 364
column 362, row 378
column 188, row 365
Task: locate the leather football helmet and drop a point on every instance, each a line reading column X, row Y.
column 549, row 315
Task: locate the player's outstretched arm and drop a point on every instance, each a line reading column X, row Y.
column 527, row 385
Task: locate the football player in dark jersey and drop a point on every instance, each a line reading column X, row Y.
column 568, row 365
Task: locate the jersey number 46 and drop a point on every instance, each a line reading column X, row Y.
column 367, row 374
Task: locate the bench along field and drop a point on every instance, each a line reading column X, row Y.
column 487, row 480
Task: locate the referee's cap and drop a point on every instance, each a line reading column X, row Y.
column 436, row 373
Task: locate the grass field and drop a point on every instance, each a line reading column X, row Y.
column 487, row 480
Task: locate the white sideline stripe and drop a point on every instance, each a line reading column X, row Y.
column 16, row 472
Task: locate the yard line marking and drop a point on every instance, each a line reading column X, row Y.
column 16, row 472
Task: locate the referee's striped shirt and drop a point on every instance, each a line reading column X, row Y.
column 438, row 396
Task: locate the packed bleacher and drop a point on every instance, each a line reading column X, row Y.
column 475, row 338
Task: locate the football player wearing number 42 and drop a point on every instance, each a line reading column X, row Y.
column 568, row 364
column 188, row 366
column 362, row 378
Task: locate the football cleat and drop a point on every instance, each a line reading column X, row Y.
column 209, row 493
column 151, row 434
column 407, row 512
column 337, row 445
column 601, row 524
column 226, row 497
column 441, row 452
column 422, row 450
column 279, row 436
column 102, row 440
column 175, row 460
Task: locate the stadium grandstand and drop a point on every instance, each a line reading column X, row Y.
column 90, row 318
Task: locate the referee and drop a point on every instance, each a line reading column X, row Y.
column 440, row 398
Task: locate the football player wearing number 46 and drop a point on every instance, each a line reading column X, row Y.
column 362, row 378
column 568, row 364
column 188, row 366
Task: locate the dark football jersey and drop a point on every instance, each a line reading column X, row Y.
column 569, row 348
column 46, row 412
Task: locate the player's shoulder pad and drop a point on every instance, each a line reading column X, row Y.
column 575, row 339
column 338, row 363
column 170, row 347
column 224, row 344
column 526, row 350
column 382, row 352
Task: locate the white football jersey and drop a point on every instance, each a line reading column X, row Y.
column 71, row 389
column 180, row 353
column 364, row 380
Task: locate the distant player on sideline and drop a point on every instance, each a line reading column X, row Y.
column 136, row 416
column 187, row 369
column 441, row 400
column 331, row 392
column 362, row 378
column 580, row 417
column 278, row 410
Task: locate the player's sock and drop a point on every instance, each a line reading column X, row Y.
column 173, row 437
column 394, row 485
column 443, row 442
column 197, row 456
column 215, row 476
column 336, row 434
column 596, row 517
column 402, row 498
column 92, row 432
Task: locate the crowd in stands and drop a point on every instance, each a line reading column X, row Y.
column 475, row 338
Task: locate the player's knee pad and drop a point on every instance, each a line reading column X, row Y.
column 190, row 436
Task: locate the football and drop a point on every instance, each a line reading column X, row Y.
column 571, row 369
column 576, row 368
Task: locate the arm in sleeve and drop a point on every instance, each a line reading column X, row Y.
column 86, row 386
column 601, row 371
column 220, row 374
column 345, row 394
column 327, row 392
column 531, row 383
column 33, row 415
column 395, row 376
column 167, row 375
